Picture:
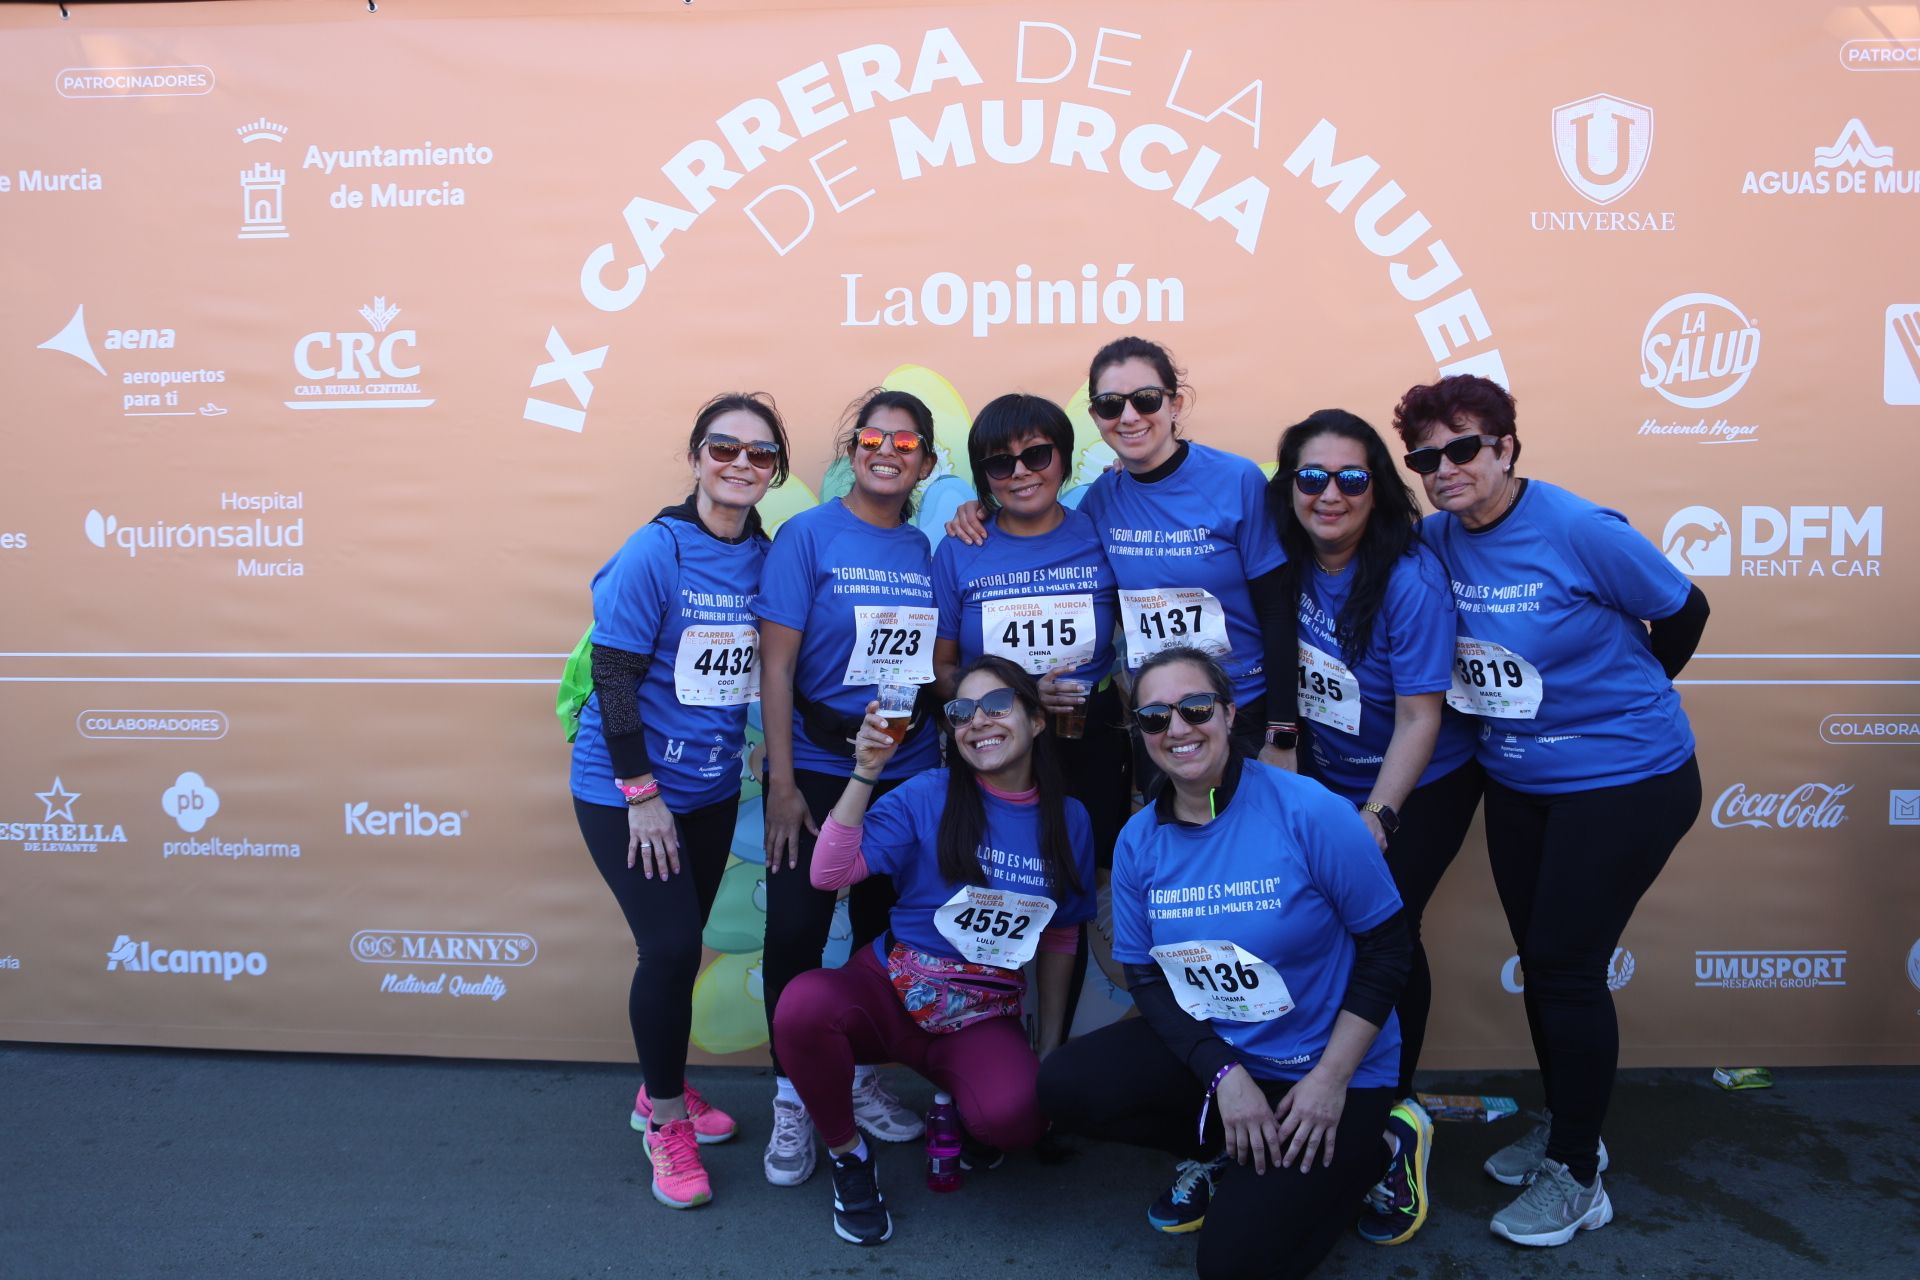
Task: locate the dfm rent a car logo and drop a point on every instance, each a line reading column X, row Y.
column 1620, row 968
column 1602, row 144
column 129, row 956
column 410, row 819
column 1809, row 806
column 371, row 368
column 1698, row 350
column 1700, row 542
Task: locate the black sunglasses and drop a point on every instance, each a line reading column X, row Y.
column 1109, row 405
column 1312, row 481
column 996, row 704
column 1459, row 452
column 1035, row 458
column 1157, row 717
column 724, row 449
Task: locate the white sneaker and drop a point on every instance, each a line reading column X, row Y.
column 882, row 1115
column 790, row 1156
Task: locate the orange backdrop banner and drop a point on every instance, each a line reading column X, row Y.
column 342, row 347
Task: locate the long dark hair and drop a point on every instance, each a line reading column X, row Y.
column 1392, row 530
column 963, row 827
column 908, row 403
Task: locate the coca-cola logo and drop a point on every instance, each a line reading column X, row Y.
column 1810, row 805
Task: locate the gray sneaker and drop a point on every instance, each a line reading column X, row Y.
column 1553, row 1207
column 789, row 1159
column 1516, row 1163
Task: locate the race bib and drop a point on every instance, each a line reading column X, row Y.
column 994, row 926
column 1173, row 615
column 1039, row 633
column 1491, row 680
column 892, row 644
column 717, row 666
column 1216, row 979
column 1328, row 691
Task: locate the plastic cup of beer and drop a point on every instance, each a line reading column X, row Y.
column 896, row 708
column 1072, row 724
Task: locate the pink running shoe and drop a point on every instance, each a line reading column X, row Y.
column 679, row 1179
column 710, row 1123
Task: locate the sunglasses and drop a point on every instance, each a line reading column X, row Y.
column 1312, row 481
column 1459, row 452
column 1035, row 458
column 724, row 449
column 1109, row 405
column 996, row 704
column 1157, row 717
column 904, row 442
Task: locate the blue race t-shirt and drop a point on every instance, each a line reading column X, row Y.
column 1551, row 651
column 1287, row 871
column 901, row 835
column 1030, row 598
column 1182, row 550
column 682, row 597
column 848, row 586
column 1351, row 704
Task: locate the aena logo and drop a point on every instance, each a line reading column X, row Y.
column 1700, row 543
column 1698, row 351
column 1602, row 144
column 190, row 802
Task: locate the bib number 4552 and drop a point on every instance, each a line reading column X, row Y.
column 1000, row 923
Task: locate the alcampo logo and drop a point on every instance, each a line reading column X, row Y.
column 1698, row 350
column 1809, row 806
column 371, row 368
column 1602, row 144
column 1620, row 969
column 1700, row 542
column 143, row 957
column 410, row 819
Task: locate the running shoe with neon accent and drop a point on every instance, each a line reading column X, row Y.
column 789, row 1159
column 1516, row 1163
column 1553, row 1208
column 679, row 1179
column 1397, row 1205
column 882, row 1115
column 1182, row 1207
column 859, row 1212
column 710, row 1123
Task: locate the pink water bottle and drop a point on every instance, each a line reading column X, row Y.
column 943, row 1146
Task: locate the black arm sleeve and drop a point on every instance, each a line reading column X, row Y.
column 616, row 678
column 1382, row 959
column 1675, row 637
column 1188, row 1038
column 1279, row 644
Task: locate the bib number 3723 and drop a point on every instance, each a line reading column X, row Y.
column 994, row 926
column 717, row 666
column 892, row 644
column 1216, row 979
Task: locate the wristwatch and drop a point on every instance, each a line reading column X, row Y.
column 1283, row 736
column 1389, row 820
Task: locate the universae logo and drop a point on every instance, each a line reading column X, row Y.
column 1602, row 143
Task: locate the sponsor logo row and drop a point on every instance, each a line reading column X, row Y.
column 405, row 953
column 1757, row 969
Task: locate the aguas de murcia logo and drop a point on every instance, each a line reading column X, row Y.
column 1855, row 165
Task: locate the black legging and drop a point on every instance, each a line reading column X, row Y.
column 1121, row 1084
column 1098, row 770
column 1570, row 868
column 799, row 916
column 666, row 917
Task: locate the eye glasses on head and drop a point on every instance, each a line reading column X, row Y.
column 724, row 449
column 904, row 442
column 1459, row 452
column 996, row 704
column 1312, row 481
column 1035, row 458
column 1109, row 405
column 1157, row 717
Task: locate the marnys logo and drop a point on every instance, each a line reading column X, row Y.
column 1853, row 166
column 192, row 803
column 388, row 946
column 359, row 369
column 1700, row 543
column 1811, row 805
column 143, row 957
column 58, row 831
column 105, row 530
column 1770, row 970
column 1620, row 967
column 410, row 819
column 1602, row 144
column 1697, row 351
column 159, row 402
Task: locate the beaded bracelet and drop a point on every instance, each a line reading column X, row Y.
column 1211, row 1090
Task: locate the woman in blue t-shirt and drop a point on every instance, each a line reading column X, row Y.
column 1265, row 947
column 846, row 603
column 1591, row 777
column 994, row 868
column 657, row 758
column 1376, row 660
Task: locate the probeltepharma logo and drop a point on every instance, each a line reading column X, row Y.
column 144, row 393
column 1620, row 969
column 392, row 947
column 371, row 368
column 1697, row 351
column 1903, row 807
column 128, row 956
column 409, row 819
column 260, row 534
column 1770, row 970
column 263, row 188
column 1900, row 379
column 192, row 803
column 1810, row 806
column 59, row 830
column 1602, row 144
column 1854, row 166
column 1768, row 542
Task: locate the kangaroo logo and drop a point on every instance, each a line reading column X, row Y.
column 1602, row 144
column 1698, row 543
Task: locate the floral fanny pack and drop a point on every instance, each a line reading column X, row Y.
column 943, row 995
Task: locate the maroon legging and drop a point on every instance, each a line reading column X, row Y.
column 831, row 1019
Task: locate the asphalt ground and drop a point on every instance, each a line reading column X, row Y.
column 137, row 1162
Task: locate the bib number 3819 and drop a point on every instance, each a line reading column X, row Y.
column 994, row 926
column 1216, row 979
column 1493, row 680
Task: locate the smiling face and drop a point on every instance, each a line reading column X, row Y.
column 990, row 745
column 737, row 483
column 1333, row 520
column 1143, row 442
column 1194, row 756
column 1026, row 494
column 883, row 474
column 1477, row 491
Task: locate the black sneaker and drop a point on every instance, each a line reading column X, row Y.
column 977, row 1156
column 1182, row 1207
column 859, row 1214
